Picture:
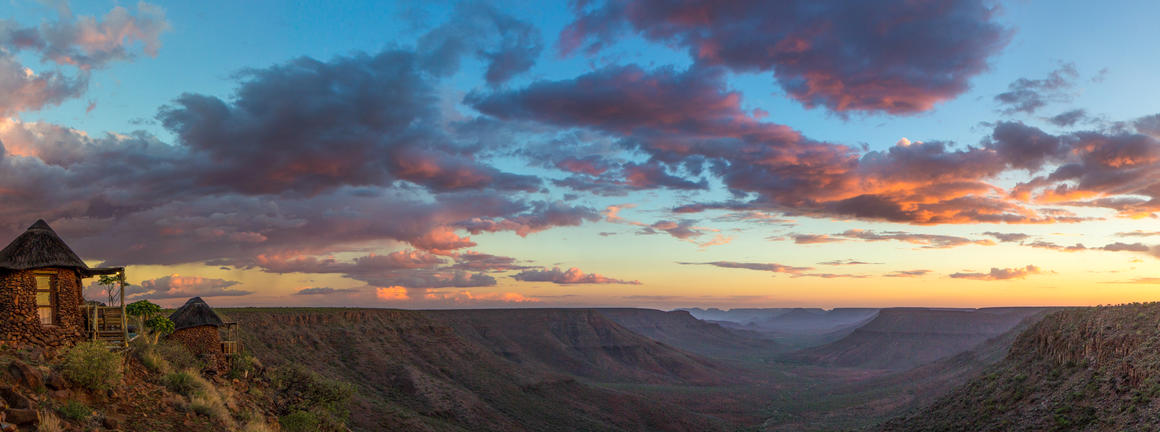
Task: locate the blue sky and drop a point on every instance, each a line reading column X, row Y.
column 519, row 131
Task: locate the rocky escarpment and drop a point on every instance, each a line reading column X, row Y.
column 580, row 342
column 682, row 330
column 1084, row 369
column 427, row 371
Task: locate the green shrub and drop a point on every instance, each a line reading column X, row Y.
column 324, row 401
column 150, row 356
column 92, row 365
column 185, row 382
column 178, row 356
column 154, row 362
column 242, row 365
column 75, row 410
column 299, row 421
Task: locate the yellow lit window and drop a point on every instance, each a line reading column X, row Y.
column 44, row 299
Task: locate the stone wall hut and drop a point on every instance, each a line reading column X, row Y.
column 40, row 290
column 196, row 326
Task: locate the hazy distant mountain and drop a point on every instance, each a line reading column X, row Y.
column 792, row 327
column 902, row 338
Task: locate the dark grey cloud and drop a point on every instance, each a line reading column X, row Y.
column 894, row 56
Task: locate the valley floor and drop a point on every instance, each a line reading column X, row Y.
column 616, row 369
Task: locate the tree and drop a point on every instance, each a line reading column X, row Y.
column 160, row 326
column 142, row 311
column 111, row 284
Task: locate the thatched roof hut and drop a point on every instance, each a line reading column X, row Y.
column 40, row 289
column 197, row 327
column 40, row 247
column 195, row 312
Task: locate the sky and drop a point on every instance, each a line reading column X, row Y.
column 791, row 153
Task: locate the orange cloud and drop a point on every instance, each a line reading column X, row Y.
column 392, row 293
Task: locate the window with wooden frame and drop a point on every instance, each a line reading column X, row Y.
column 46, row 298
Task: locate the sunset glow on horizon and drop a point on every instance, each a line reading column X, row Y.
column 963, row 153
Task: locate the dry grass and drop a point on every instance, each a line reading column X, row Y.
column 49, row 422
column 257, row 426
column 210, row 405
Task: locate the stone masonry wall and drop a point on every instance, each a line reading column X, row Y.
column 203, row 341
column 19, row 321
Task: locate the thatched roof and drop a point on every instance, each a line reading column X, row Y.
column 39, row 247
column 193, row 313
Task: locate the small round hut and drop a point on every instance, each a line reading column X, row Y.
column 196, row 326
column 41, row 302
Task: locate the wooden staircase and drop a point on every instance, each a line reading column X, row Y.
column 108, row 325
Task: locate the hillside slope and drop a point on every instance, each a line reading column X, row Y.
column 902, row 338
column 1090, row 369
column 415, row 372
column 681, row 330
column 853, row 402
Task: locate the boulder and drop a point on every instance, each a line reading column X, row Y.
column 25, row 375
column 14, row 399
column 23, row 417
column 55, row 382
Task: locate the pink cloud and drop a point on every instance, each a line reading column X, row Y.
column 1000, row 273
column 571, row 276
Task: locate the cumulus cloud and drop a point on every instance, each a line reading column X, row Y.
column 568, row 277
column 689, row 121
column 178, row 286
column 372, row 121
column 248, row 176
column 897, row 56
column 1000, row 273
column 83, row 43
column 1028, row 95
column 508, row 45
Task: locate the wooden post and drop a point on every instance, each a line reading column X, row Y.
column 124, row 316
